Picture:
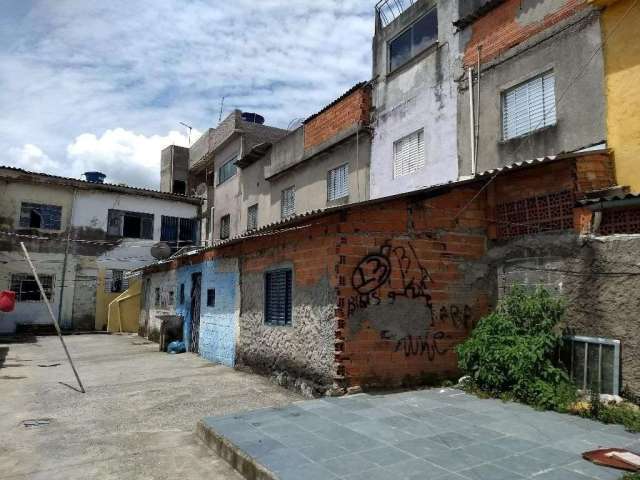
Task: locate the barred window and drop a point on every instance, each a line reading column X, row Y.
column 278, row 297
column 408, row 154
column 288, row 202
column 36, row 215
column 115, row 281
column 178, row 232
column 338, row 182
column 593, row 363
column 529, row 106
column 252, row 217
column 225, row 227
column 26, row 287
column 227, row 171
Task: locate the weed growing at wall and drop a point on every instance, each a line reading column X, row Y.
column 511, row 352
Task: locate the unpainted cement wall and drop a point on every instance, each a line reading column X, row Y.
column 598, row 278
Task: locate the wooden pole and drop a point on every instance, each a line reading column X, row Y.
column 53, row 317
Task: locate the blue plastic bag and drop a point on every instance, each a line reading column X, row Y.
column 176, row 347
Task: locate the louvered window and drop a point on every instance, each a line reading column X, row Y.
column 225, row 227
column 278, row 297
column 529, row 106
column 338, row 183
column 408, row 154
column 288, row 202
column 252, row 217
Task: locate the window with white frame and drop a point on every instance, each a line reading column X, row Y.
column 338, row 182
column 417, row 38
column 288, row 202
column 408, row 154
column 252, row 217
column 225, row 227
column 27, row 289
column 593, row 363
column 529, row 106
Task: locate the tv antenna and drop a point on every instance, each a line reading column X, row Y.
column 189, row 134
column 221, row 105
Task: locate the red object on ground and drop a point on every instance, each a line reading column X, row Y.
column 600, row 457
column 7, row 301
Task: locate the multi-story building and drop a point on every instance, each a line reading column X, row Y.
column 415, row 54
column 251, row 175
column 540, row 91
column 83, row 237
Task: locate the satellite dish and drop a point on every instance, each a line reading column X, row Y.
column 201, row 190
column 161, row 251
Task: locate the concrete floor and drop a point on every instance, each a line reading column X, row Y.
column 136, row 420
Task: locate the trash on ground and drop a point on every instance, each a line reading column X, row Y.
column 615, row 458
column 176, row 347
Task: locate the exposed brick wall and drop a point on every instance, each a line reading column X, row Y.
column 409, row 288
column 620, row 221
column 595, row 172
column 499, row 30
column 346, row 113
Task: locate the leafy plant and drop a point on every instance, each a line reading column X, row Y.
column 623, row 414
column 510, row 353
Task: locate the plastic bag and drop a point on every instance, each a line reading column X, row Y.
column 7, row 301
column 176, row 347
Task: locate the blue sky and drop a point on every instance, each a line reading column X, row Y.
column 103, row 85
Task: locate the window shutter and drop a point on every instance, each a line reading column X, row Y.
column 278, row 304
column 288, row 202
column 252, row 217
column 168, row 229
column 529, row 106
column 338, row 182
column 147, row 227
column 408, row 154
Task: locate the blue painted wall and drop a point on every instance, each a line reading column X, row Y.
column 218, row 324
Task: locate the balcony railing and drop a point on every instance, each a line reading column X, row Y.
column 389, row 10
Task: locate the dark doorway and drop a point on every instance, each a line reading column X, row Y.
column 196, row 280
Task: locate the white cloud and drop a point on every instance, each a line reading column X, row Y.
column 69, row 68
column 124, row 156
column 32, row 158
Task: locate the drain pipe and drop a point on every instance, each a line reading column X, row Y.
column 472, row 123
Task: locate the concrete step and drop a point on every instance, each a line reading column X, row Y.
column 247, row 466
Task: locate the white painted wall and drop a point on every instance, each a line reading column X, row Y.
column 421, row 95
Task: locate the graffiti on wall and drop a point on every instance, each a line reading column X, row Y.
column 374, row 274
column 391, row 280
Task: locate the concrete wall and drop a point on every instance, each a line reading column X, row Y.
column 150, row 313
column 622, row 68
column 174, row 165
column 310, row 177
column 227, row 195
column 419, row 95
column 303, row 353
column 575, row 267
column 579, row 103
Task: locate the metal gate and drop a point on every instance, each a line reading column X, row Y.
column 196, row 281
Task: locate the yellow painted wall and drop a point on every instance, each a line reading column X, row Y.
column 622, row 64
column 124, row 311
column 103, row 299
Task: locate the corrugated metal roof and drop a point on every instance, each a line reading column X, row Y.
column 108, row 186
column 610, row 198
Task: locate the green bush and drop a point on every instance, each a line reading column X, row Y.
column 620, row 414
column 510, row 353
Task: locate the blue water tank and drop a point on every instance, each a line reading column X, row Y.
column 95, row 177
column 252, row 117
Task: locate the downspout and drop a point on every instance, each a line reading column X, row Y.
column 66, row 255
column 477, row 102
column 472, row 123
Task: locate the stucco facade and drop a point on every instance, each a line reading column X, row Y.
column 81, row 254
column 622, row 77
column 520, row 41
column 418, row 95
